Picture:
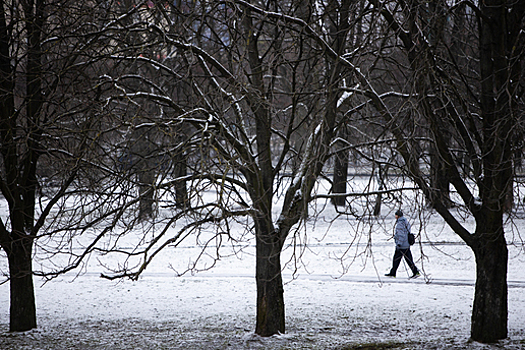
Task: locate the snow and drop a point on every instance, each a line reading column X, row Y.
column 336, row 296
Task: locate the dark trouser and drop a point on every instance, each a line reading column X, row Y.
column 398, row 255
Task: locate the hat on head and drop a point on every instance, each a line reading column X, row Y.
column 399, row 213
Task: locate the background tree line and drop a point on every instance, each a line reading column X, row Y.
column 113, row 110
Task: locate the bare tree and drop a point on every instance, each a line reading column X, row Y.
column 466, row 80
column 57, row 147
column 249, row 93
column 19, row 159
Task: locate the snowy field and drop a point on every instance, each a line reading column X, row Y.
column 336, row 295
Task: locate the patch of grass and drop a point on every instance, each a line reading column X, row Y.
column 374, row 346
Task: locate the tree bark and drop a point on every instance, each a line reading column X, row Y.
column 340, row 173
column 489, row 313
column 180, row 169
column 22, row 307
column 270, row 291
column 439, row 177
column 18, row 183
column 382, row 173
column 340, row 177
column 146, row 181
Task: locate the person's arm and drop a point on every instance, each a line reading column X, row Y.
column 397, row 233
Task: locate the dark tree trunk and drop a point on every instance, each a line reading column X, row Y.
column 22, row 308
column 489, row 313
column 439, row 177
column 270, row 292
column 146, row 181
column 180, row 170
column 144, row 153
column 340, row 177
column 377, row 205
column 382, row 172
column 338, row 30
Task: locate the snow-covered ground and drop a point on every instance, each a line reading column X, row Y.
column 336, row 296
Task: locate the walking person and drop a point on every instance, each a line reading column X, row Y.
column 402, row 229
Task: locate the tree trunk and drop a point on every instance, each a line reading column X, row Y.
column 489, row 313
column 382, row 172
column 270, row 291
column 439, row 176
column 146, row 182
column 340, row 176
column 180, row 169
column 22, row 308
